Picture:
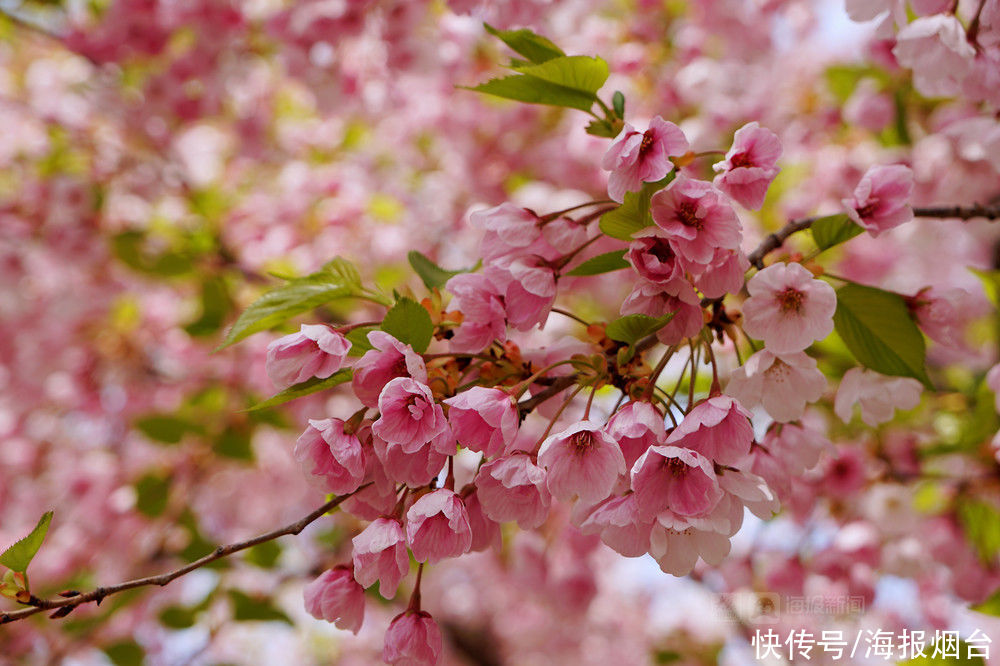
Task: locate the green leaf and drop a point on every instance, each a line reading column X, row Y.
column 178, row 617
column 618, row 103
column 19, row 555
column 876, row 327
column 989, row 607
column 126, row 653
column 601, row 128
column 432, row 275
column 234, row 443
column 215, row 307
column 129, row 248
column 602, row 263
column 337, row 279
column 633, row 214
column 151, row 494
column 164, row 427
column 308, row 387
column 264, row 555
column 532, row 46
column 834, row 230
column 249, row 609
column 358, row 337
column 532, row 90
column 991, row 284
column 581, row 73
column 981, row 523
column 634, row 327
column 409, row 322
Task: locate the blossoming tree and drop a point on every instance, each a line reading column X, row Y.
column 482, row 337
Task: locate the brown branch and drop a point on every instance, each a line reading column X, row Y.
column 776, row 240
column 97, row 595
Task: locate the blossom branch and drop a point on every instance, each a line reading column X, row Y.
column 774, row 241
column 98, row 594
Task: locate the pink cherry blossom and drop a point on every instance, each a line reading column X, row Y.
column 653, row 258
column 725, row 274
column 788, row 309
column 485, row 531
column 941, row 314
column 529, row 294
column 750, row 165
column 415, row 468
column 781, row 384
column 315, row 351
column 881, row 200
column 676, row 544
column 330, row 457
column 336, row 597
column 670, row 477
column 412, row 639
column 718, row 428
column 937, row 50
column 483, row 419
column 513, row 489
column 696, row 218
column 636, row 157
column 437, row 527
column 636, row 427
column 650, row 299
column 869, row 108
column 878, row 395
column 508, row 228
column 581, row 461
column 389, row 359
column 484, row 317
column 380, row 555
column 409, row 415
column 845, row 473
column 617, row 521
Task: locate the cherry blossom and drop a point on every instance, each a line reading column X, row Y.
column 788, row 309
column 336, row 597
column 937, row 50
column 670, row 477
column 878, row 395
column 696, row 218
column 437, row 527
column 380, row 555
column 782, row 384
column 483, row 420
column 513, row 488
column 635, row 157
column 881, row 200
column 413, row 639
column 315, row 351
column 330, row 456
column 718, row 428
column 389, row 359
column 582, row 462
column 750, row 165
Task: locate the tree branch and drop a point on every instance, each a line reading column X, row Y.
column 776, row 240
column 97, row 595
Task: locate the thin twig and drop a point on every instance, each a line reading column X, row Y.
column 97, row 595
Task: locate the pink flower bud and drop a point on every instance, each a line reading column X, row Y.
column 380, row 554
column 437, row 527
column 336, row 597
column 483, row 419
column 582, row 461
column 413, row 639
column 315, row 351
column 331, row 458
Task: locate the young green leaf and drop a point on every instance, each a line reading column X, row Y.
column 634, row 327
column 308, row 387
column 19, row 555
column 618, row 103
column 409, row 322
column 991, row 284
column 432, row 275
column 165, row 428
column 582, row 73
column 532, row 46
column 601, row 128
column 532, row 90
column 633, row 214
column 337, row 279
column 602, row 263
column 876, row 327
column 834, row 230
